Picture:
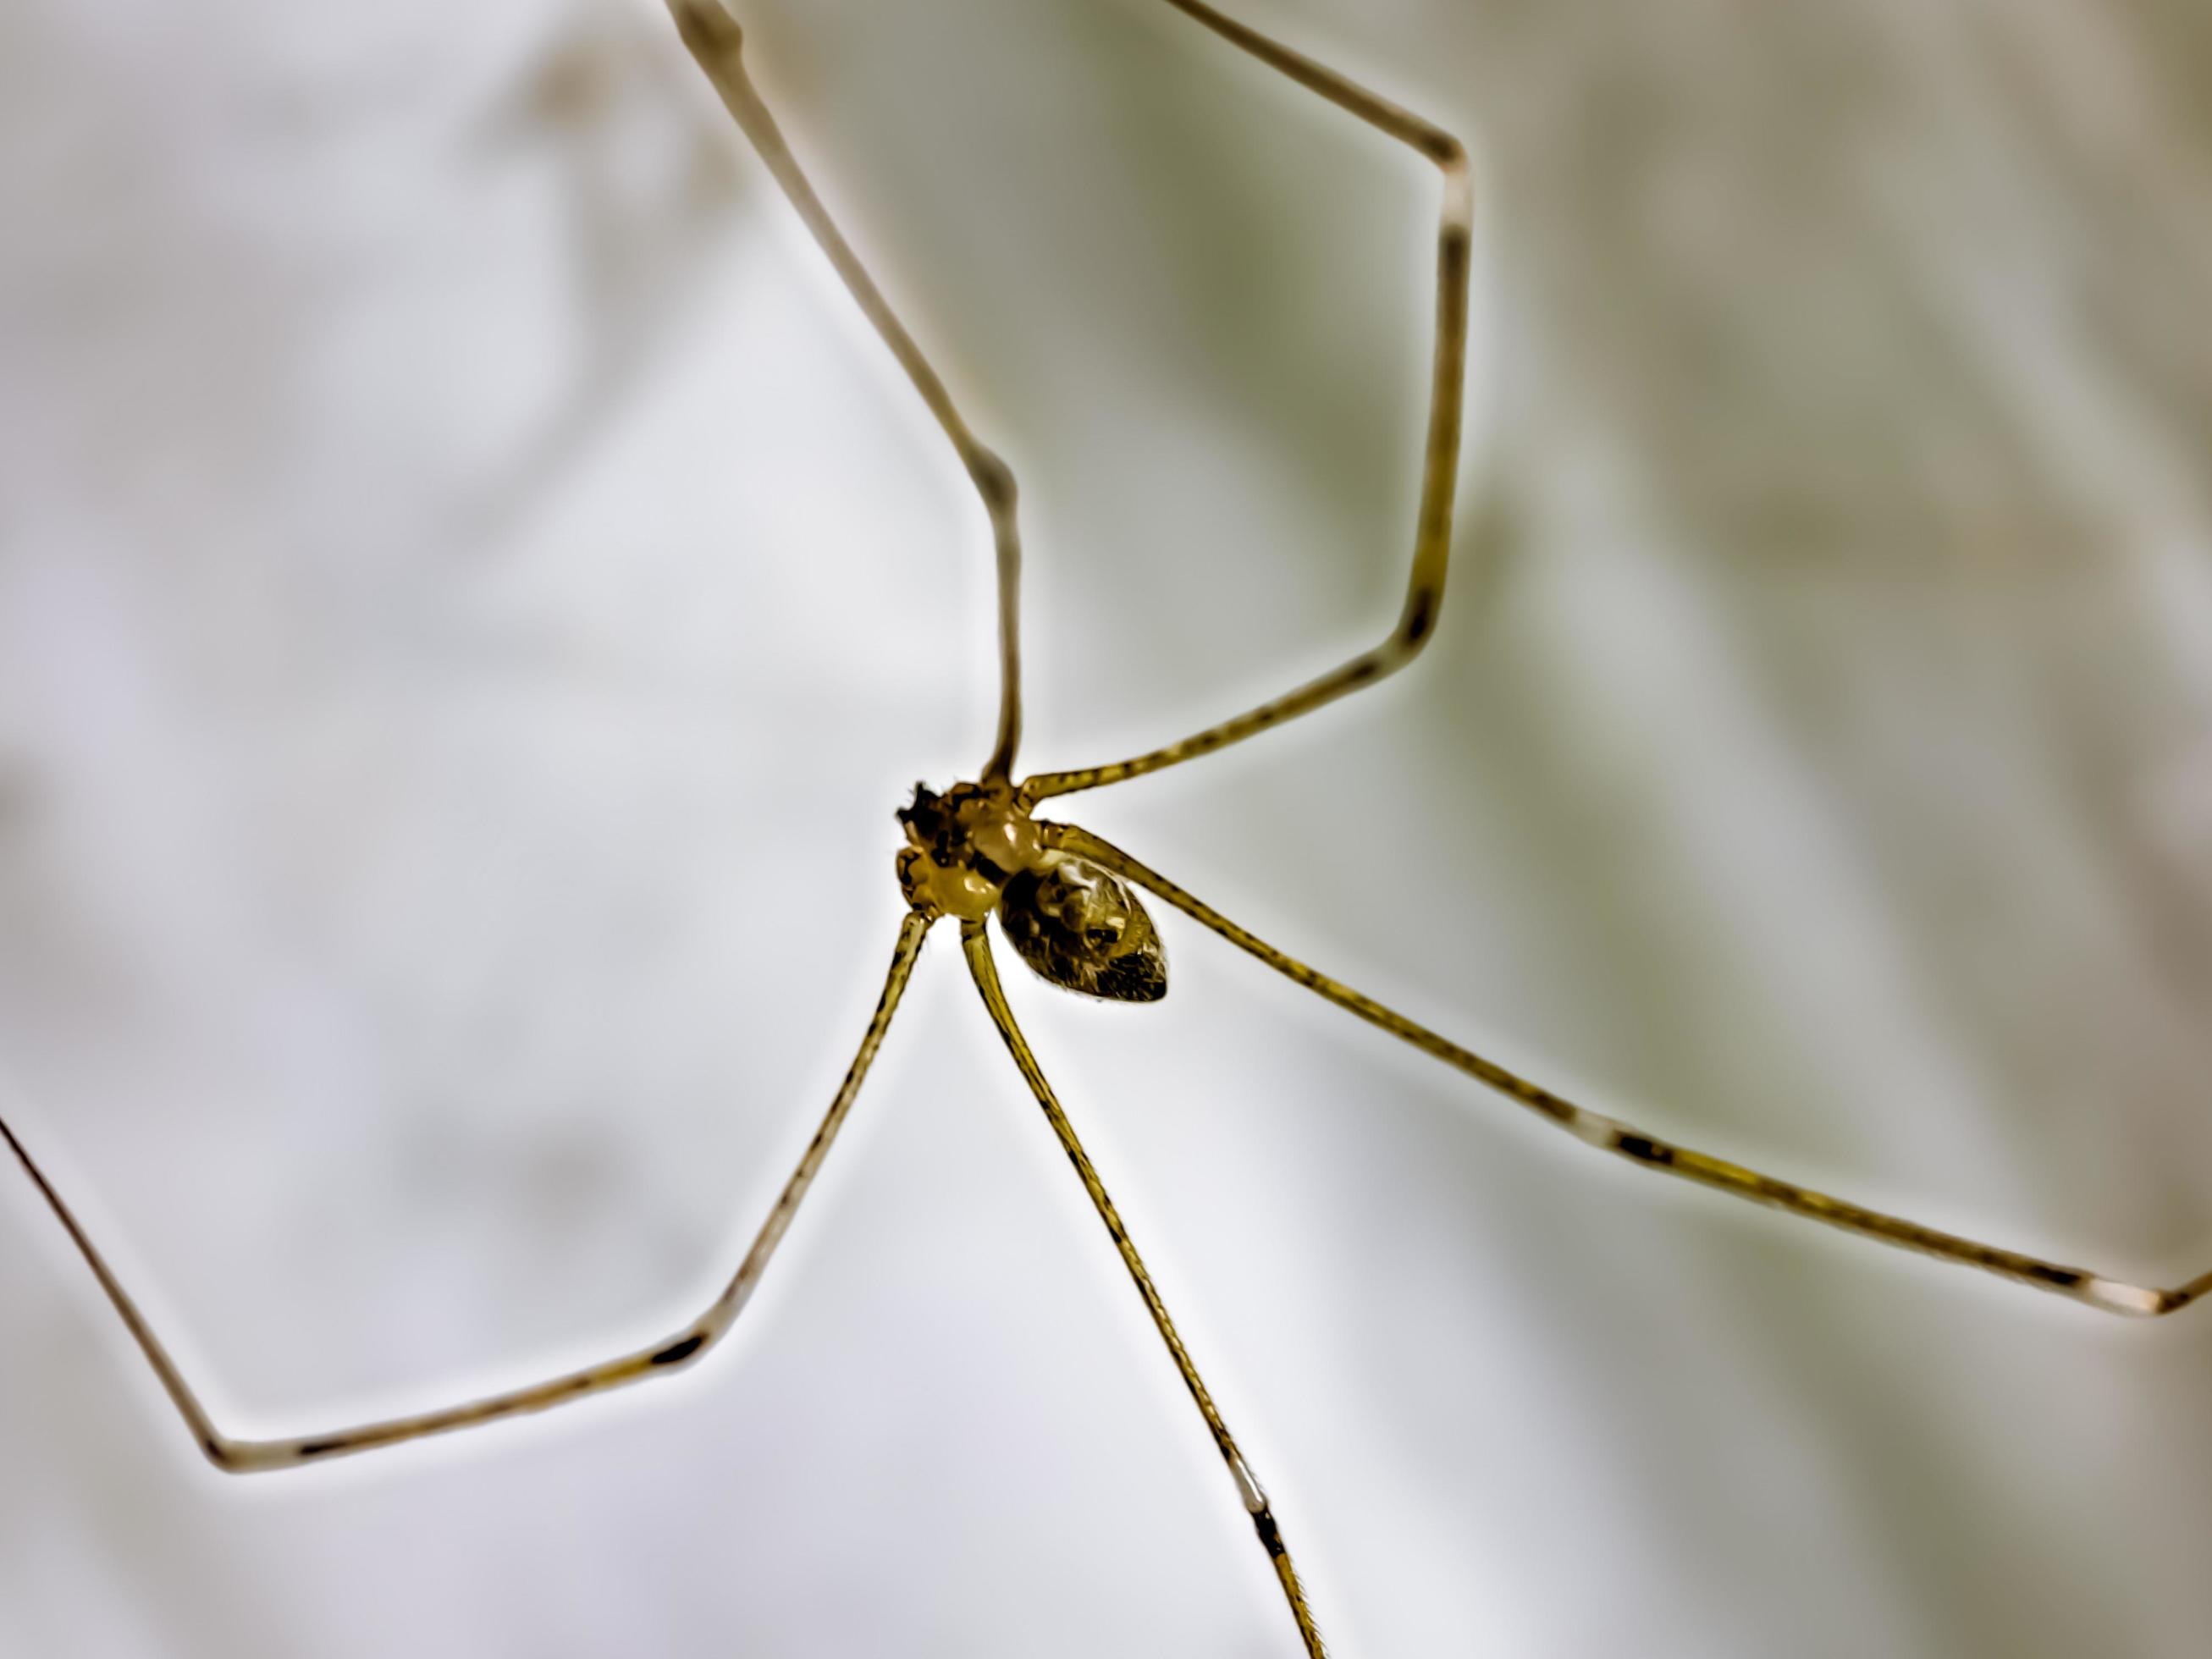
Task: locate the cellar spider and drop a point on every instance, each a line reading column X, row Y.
column 1067, row 902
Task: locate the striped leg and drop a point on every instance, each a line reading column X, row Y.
column 1424, row 588
column 242, row 1456
column 978, row 946
column 1646, row 1151
column 716, row 42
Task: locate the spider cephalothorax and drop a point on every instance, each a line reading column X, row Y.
column 975, row 849
column 968, row 843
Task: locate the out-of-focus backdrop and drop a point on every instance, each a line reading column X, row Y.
column 472, row 593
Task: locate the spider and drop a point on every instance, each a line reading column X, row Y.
column 1069, row 903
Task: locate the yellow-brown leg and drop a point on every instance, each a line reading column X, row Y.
column 975, row 942
column 1424, row 588
column 1646, row 1151
column 242, row 1456
column 715, row 41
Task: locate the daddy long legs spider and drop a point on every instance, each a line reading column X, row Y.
column 956, row 846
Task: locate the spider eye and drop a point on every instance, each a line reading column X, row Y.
column 1085, row 931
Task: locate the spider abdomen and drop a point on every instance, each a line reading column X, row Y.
column 1084, row 931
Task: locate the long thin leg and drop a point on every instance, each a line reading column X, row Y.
column 1424, row 588
column 1647, row 1151
column 714, row 40
column 242, row 1456
column 978, row 947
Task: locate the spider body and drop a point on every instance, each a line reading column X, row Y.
column 975, row 850
column 1084, row 930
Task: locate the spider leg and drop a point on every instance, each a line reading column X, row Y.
column 978, row 947
column 1646, row 1151
column 242, row 1456
column 715, row 40
column 1424, row 588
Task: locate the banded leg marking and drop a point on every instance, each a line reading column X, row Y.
column 1425, row 588
column 239, row 1456
column 1646, row 1151
column 974, row 940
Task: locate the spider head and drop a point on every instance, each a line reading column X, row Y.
column 975, row 849
column 965, row 845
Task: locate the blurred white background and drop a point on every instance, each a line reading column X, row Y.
column 472, row 593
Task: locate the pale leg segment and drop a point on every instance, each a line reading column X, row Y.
column 715, row 41
column 1424, row 589
column 241, row 1457
column 978, row 947
column 1649, row 1151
